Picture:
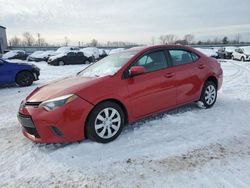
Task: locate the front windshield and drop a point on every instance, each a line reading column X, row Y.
column 108, row 65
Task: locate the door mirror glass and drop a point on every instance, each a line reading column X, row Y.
column 136, row 70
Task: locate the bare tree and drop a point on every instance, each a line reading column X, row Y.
column 237, row 38
column 189, row 38
column 170, row 38
column 28, row 39
column 41, row 41
column 67, row 41
column 15, row 41
column 94, row 43
column 153, row 40
column 163, row 39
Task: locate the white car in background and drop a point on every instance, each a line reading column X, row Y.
column 241, row 54
column 38, row 56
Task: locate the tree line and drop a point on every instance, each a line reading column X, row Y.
column 29, row 40
column 188, row 39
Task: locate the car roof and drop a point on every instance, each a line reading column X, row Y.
column 147, row 48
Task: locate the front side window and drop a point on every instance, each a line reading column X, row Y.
column 79, row 54
column 108, row 65
column 181, row 57
column 152, row 61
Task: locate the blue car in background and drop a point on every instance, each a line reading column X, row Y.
column 22, row 74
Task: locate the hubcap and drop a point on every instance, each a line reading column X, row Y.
column 25, row 79
column 107, row 123
column 210, row 94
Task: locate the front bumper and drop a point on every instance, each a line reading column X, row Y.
column 64, row 124
column 36, row 73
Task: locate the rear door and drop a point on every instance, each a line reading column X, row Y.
column 80, row 58
column 190, row 74
column 154, row 90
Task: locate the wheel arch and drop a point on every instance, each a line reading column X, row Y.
column 23, row 70
column 213, row 79
column 124, row 109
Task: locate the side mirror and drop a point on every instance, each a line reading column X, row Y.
column 136, row 70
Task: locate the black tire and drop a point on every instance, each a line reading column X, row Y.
column 205, row 96
column 61, row 63
column 87, row 62
column 24, row 78
column 91, row 125
column 242, row 59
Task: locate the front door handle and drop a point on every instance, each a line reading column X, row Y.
column 169, row 75
column 202, row 66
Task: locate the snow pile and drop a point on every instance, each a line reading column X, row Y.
column 58, row 55
column 230, row 48
column 186, row 147
column 66, row 49
column 41, row 54
column 91, row 52
column 116, row 50
column 11, row 54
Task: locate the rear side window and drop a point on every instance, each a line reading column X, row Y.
column 71, row 54
column 182, row 57
column 152, row 61
column 79, row 54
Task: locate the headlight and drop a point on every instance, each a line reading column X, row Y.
column 36, row 68
column 57, row 102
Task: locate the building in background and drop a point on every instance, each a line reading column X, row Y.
column 3, row 39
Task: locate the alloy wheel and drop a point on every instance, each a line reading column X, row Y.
column 210, row 94
column 107, row 123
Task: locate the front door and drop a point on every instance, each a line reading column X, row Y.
column 154, row 90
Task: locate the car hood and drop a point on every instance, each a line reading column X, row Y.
column 16, row 62
column 65, row 86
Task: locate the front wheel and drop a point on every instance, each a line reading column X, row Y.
column 61, row 63
column 208, row 94
column 242, row 59
column 105, row 122
column 24, row 78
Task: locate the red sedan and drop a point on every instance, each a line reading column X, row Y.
column 119, row 89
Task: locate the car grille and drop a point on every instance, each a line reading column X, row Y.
column 28, row 124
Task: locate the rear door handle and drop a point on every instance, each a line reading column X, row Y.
column 202, row 66
column 169, row 75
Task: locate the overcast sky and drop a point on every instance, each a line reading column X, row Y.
column 129, row 20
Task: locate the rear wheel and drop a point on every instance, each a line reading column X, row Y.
column 61, row 63
column 87, row 62
column 105, row 122
column 208, row 95
column 24, row 78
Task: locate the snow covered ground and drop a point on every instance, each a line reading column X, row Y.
column 186, row 147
